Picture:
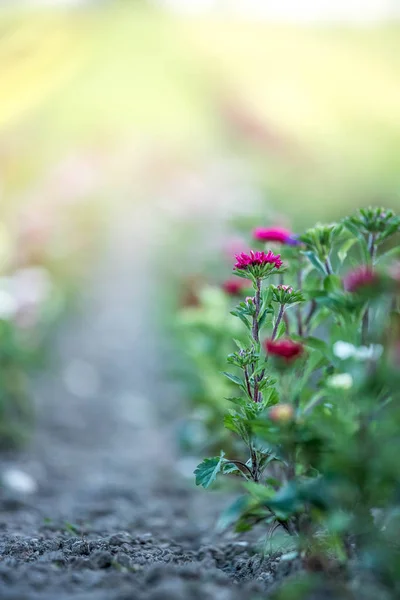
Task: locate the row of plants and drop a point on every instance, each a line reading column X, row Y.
column 44, row 251
column 312, row 428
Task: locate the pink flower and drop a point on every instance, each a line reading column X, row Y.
column 275, row 234
column 253, row 259
column 360, row 278
column 286, row 349
column 233, row 287
column 285, row 288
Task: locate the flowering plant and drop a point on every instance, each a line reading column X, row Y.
column 317, row 380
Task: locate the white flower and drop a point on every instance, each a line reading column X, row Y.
column 8, row 305
column 342, row 381
column 343, row 350
column 18, row 481
column 372, row 352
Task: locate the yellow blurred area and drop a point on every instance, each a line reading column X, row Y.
column 38, row 54
column 314, row 111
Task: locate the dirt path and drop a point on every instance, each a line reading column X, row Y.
column 111, row 518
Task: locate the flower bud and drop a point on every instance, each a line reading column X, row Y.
column 281, row 413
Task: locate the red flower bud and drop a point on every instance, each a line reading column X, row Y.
column 233, row 287
column 286, row 349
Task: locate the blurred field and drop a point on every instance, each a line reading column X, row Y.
column 314, row 112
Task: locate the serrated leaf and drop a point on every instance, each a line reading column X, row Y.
column 237, row 400
column 229, row 467
column 232, row 422
column 206, row 472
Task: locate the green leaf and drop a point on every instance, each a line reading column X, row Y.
column 260, row 492
column 267, row 296
column 232, row 421
column 236, row 400
column 332, row 283
column 281, row 330
column 315, row 261
column 74, row 529
column 353, row 228
column 263, row 317
column 316, row 344
column 206, row 472
column 390, row 230
column 238, row 343
column 242, row 317
column 228, row 468
column 286, row 501
column 392, row 253
column 342, row 253
column 232, row 514
column 233, row 378
column 364, row 251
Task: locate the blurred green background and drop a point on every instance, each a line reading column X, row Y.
column 312, row 112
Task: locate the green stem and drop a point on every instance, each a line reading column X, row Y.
column 248, row 387
column 299, row 314
column 365, row 318
column 257, row 302
column 328, row 266
column 278, row 320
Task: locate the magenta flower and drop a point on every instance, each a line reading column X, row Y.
column 360, row 278
column 275, row 234
column 257, row 259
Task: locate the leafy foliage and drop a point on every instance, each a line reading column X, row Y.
column 319, row 427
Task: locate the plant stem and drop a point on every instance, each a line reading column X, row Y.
column 278, row 320
column 255, row 332
column 372, row 247
column 246, row 376
column 298, row 307
column 310, row 315
column 257, row 302
column 254, row 465
column 328, row 266
column 365, row 319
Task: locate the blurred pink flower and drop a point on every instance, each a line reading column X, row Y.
column 361, row 277
column 275, row 234
column 233, row 287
